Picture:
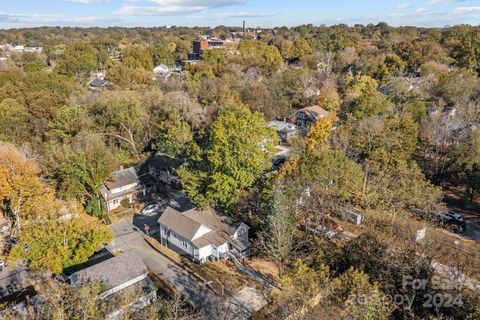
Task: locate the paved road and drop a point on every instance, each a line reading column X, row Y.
column 472, row 232
column 128, row 237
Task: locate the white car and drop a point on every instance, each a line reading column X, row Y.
column 455, row 215
column 153, row 209
column 150, row 210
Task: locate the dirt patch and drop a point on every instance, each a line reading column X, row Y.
column 120, row 215
column 223, row 274
column 266, row 267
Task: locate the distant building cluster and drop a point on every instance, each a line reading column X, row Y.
column 207, row 42
column 9, row 48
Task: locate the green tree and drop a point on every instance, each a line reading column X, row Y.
column 359, row 299
column 174, row 138
column 465, row 164
column 80, row 169
column 260, row 55
column 137, row 56
column 79, row 59
column 233, row 159
column 14, row 119
column 387, row 139
column 69, row 121
column 129, row 78
column 55, row 243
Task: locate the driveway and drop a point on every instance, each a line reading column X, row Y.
column 129, row 237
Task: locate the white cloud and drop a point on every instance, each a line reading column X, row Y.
column 53, row 20
column 177, row 7
column 227, row 15
column 444, row 1
column 199, row 3
column 89, row 1
column 404, row 5
column 156, row 11
column 421, row 10
column 466, row 10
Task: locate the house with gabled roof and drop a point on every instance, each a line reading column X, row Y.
column 305, row 117
column 286, row 130
column 203, row 235
column 116, row 274
column 122, row 184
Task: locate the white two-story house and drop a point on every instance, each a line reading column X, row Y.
column 203, row 235
column 122, row 184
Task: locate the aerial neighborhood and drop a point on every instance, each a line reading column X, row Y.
column 237, row 172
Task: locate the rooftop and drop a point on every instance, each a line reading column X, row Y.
column 283, row 126
column 112, row 272
column 187, row 223
column 122, row 178
column 315, row 109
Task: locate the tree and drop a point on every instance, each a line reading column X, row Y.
column 69, row 121
column 79, row 59
column 174, row 138
column 137, row 56
column 22, row 194
column 465, row 164
column 233, row 159
column 129, row 78
column 398, row 188
column 329, row 99
column 317, row 138
column 14, row 118
column 55, row 243
column 359, row 299
column 278, row 238
column 124, row 119
column 61, row 300
column 365, row 99
column 295, row 50
column 386, row 139
column 81, row 168
column 395, row 65
column 258, row 54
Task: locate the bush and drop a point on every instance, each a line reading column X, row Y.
column 125, row 203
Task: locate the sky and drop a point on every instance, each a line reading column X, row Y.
column 257, row 13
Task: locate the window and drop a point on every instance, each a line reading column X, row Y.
column 184, row 243
column 115, row 201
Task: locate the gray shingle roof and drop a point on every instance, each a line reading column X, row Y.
column 180, row 223
column 122, row 178
column 112, row 272
column 186, row 224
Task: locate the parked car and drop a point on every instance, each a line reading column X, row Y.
column 153, row 209
column 454, row 215
column 451, row 221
